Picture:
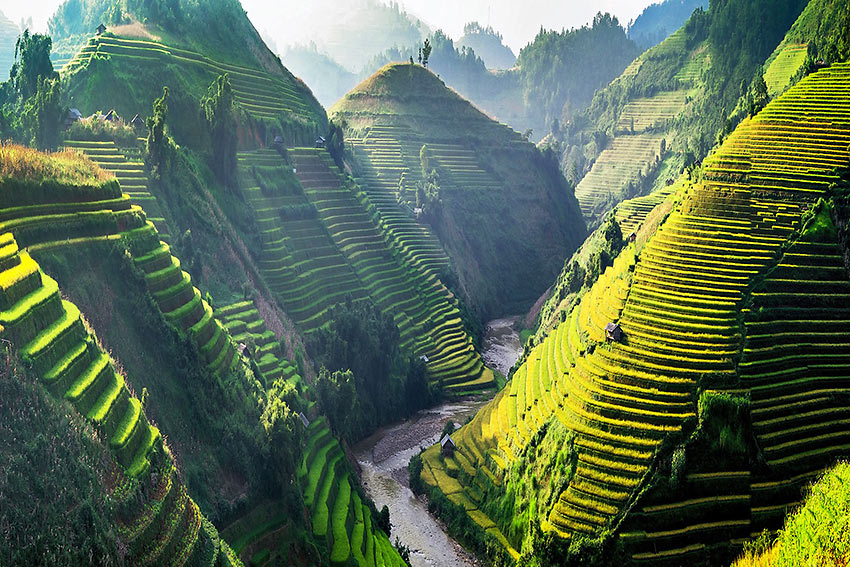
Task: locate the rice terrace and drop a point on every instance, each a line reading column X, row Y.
column 388, row 283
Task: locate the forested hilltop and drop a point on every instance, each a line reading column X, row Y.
column 553, row 77
column 661, row 19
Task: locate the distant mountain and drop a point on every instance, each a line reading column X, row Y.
column 328, row 79
column 8, row 35
column 488, row 45
column 661, row 19
column 350, row 32
column 554, row 77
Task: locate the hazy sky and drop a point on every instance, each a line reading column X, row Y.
column 39, row 10
column 517, row 20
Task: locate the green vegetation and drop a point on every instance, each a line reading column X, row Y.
column 487, row 44
column 221, row 119
column 600, row 51
column 716, row 371
column 365, row 379
column 534, row 92
column 323, row 242
column 660, row 19
column 514, row 203
column 672, row 104
column 40, row 433
column 134, row 70
column 55, row 344
column 814, row 534
column 339, row 511
column 30, row 107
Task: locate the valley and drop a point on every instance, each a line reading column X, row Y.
column 588, row 310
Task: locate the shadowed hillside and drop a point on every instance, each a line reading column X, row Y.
column 499, row 207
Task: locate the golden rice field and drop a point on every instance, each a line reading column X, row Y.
column 65, row 167
column 679, row 304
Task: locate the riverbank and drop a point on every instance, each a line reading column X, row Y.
column 383, row 458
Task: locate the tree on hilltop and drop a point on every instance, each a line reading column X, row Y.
column 157, row 145
column 426, row 51
column 30, row 99
column 220, row 113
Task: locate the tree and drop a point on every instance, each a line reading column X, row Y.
column 283, row 430
column 339, row 401
column 760, row 97
column 42, row 115
column 426, row 51
column 158, row 145
column 384, row 520
column 336, row 141
column 32, row 63
column 221, row 120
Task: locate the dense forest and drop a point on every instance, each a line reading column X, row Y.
column 488, row 44
column 661, row 19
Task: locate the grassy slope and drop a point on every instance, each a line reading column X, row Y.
column 127, row 74
column 163, row 523
column 816, row 534
column 506, row 227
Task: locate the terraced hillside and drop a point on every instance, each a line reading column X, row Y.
column 161, row 525
column 85, row 216
column 687, row 361
column 130, row 175
column 179, row 301
column 493, row 220
column 786, row 62
column 388, row 166
column 243, row 322
column 274, row 98
column 321, row 245
column 632, row 155
column 627, row 159
column 632, row 214
column 299, row 260
column 338, row 511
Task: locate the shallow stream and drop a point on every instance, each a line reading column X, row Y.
column 384, row 457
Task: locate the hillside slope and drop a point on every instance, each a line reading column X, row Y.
column 155, row 518
column 127, row 74
column 60, row 202
column 500, row 209
column 699, row 427
column 816, row 534
column 686, row 92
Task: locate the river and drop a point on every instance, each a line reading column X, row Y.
column 383, row 458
